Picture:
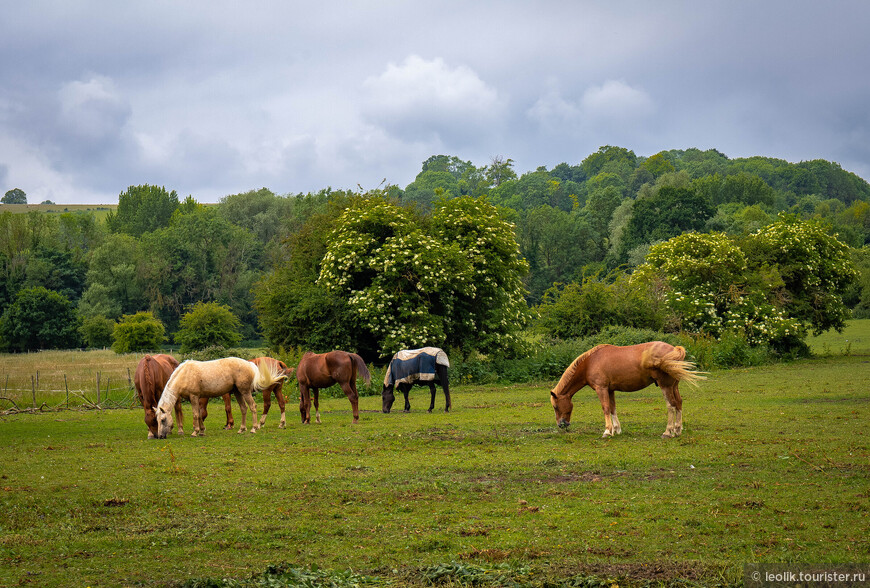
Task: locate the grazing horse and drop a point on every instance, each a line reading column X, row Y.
column 209, row 379
column 267, row 397
column 426, row 366
column 322, row 370
column 607, row 368
column 151, row 376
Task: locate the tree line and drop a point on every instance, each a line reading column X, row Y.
column 464, row 257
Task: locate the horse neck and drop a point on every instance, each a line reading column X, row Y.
column 168, row 397
column 573, row 379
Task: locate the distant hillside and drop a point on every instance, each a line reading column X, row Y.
column 99, row 210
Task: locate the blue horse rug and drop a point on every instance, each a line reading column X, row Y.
column 414, row 365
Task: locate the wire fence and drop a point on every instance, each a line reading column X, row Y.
column 107, row 391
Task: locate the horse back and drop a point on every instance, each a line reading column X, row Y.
column 620, row 367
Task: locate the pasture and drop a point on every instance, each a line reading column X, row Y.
column 772, row 466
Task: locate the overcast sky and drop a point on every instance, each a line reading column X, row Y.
column 211, row 98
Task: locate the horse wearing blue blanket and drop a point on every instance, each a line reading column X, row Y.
column 426, row 366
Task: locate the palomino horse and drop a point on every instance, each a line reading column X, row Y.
column 267, row 397
column 210, row 379
column 607, row 368
column 322, row 370
column 426, row 366
column 151, row 376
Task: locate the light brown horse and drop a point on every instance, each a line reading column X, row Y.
column 151, row 375
column 322, row 370
column 275, row 388
column 608, row 368
column 210, row 379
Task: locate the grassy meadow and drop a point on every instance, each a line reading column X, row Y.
column 773, row 466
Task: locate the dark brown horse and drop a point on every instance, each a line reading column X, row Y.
column 150, row 378
column 276, row 388
column 608, row 368
column 322, row 370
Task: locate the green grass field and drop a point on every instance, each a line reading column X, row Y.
column 772, row 467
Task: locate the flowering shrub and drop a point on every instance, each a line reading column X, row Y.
column 458, row 286
column 784, row 280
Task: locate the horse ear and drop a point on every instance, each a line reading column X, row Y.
column 553, row 394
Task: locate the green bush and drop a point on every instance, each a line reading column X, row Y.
column 208, row 324
column 97, row 331
column 138, row 332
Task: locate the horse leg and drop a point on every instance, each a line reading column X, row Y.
column 198, row 429
column 267, row 402
column 617, row 428
column 228, row 408
column 671, row 401
column 678, row 410
column 179, row 417
column 604, row 398
column 316, row 406
column 352, row 395
column 252, row 404
column 305, row 404
column 203, row 410
column 406, row 389
column 432, row 394
column 281, row 404
column 242, row 401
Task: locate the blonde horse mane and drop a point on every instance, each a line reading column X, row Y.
column 569, row 373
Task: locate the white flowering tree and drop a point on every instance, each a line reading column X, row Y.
column 774, row 287
column 451, row 281
column 815, row 269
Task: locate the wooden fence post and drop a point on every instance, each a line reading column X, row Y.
column 33, row 390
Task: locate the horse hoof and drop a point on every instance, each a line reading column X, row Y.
column 667, row 435
column 429, row 411
column 607, row 435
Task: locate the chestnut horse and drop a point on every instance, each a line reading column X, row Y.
column 210, row 379
column 607, row 368
column 322, row 370
column 267, row 397
column 151, row 376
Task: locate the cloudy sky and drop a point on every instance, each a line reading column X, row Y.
column 211, row 98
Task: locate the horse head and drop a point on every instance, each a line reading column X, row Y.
column 164, row 421
column 387, row 398
column 563, row 406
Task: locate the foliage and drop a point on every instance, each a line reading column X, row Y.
column 138, row 332
column 458, row 286
column 14, row 196
column 784, row 280
column 142, row 209
column 39, row 318
column 669, row 212
column 582, row 309
column 97, row 331
column 200, row 256
column 814, row 267
column 208, row 324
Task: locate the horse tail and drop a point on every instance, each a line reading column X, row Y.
column 268, row 372
column 361, row 368
column 674, row 364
